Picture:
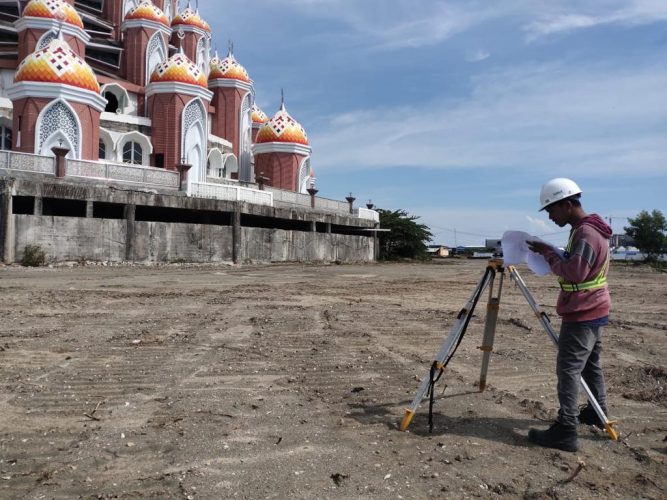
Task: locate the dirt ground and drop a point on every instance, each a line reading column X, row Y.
column 289, row 381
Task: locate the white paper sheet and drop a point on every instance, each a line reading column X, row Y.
column 516, row 251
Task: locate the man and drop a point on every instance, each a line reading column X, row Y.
column 583, row 305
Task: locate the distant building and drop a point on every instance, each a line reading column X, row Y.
column 438, row 251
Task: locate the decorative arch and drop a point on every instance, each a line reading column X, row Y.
column 304, row 176
column 116, row 96
column 128, row 5
column 231, row 165
column 46, row 39
column 156, row 52
column 193, row 146
column 168, row 9
column 58, row 125
column 202, row 55
column 245, row 139
column 215, row 165
column 143, row 141
column 109, row 145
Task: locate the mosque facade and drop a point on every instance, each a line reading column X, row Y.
column 136, row 82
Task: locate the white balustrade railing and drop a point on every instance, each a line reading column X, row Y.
column 281, row 196
column 365, row 213
column 26, row 162
column 158, row 177
column 231, row 193
column 123, row 172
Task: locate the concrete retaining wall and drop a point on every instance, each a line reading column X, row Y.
column 77, row 221
column 72, row 238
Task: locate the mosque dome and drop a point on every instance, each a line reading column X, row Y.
column 190, row 17
column 58, row 10
column 179, row 69
column 282, row 128
column 148, row 11
column 57, row 63
column 228, row 69
column 258, row 116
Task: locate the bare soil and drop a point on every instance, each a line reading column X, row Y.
column 289, row 381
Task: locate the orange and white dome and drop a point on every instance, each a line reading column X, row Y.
column 57, row 63
column 282, row 128
column 179, row 69
column 259, row 117
column 190, row 17
column 58, row 10
column 148, row 11
column 228, row 69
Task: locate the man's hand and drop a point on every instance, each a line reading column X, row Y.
column 538, row 247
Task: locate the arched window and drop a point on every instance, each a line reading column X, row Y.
column 59, row 126
column 133, row 153
column 194, row 140
column 202, row 56
column 303, row 181
column 245, row 156
column 102, row 151
column 156, row 52
column 118, row 100
column 112, row 102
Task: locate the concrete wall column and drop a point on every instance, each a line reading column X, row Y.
column 38, row 206
column 236, row 236
column 130, row 213
column 328, row 227
column 89, row 209
column 313, row 226
column 6, row 225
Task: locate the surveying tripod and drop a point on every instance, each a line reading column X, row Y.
column 451, row 343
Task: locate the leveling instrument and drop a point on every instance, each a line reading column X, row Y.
column 495, row 267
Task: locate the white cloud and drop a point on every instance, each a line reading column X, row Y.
column 632, row 12
column 479, row 55
column 593, row 119
column 461, row 226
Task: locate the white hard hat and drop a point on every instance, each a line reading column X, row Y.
column 556, row 190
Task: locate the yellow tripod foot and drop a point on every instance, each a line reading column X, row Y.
column 406, row 419
column 613, row 433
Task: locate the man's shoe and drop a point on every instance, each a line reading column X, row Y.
column 587, row 416
column 559, row 436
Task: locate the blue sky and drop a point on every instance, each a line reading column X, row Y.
column 458, row 110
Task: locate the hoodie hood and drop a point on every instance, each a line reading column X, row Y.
column 599, row 224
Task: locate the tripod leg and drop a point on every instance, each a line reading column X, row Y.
column 492, row 309
column 544, row 320
column 448, row 346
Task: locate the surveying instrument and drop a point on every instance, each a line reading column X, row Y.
column 495, row 267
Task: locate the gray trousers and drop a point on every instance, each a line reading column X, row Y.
column 579, row 348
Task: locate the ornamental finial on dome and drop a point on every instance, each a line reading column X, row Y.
column 57, row 63
column 53, row 9
column 282, row 128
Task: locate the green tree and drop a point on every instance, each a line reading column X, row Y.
column 648, row 231
column 406, row 238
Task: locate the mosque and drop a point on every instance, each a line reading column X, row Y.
column 134, row 82
column 124, row 137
